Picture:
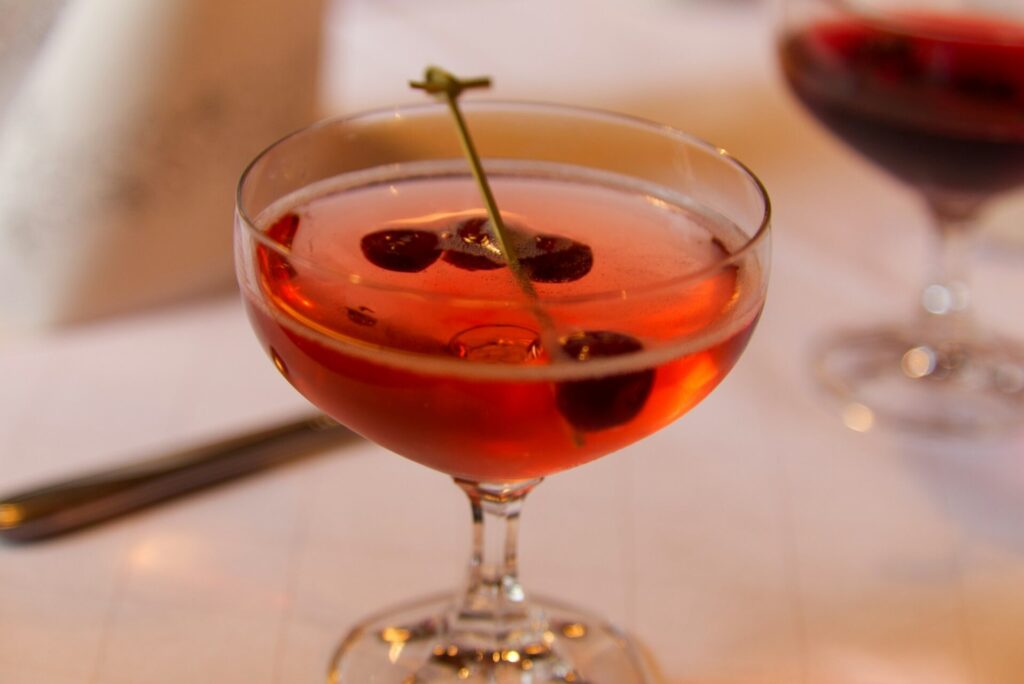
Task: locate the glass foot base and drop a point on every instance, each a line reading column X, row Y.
column 888, row 376
column 409, row 645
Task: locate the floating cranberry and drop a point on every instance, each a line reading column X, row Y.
column 472, row 248
column 553, row 259
column 604, row 402
column 401, row 249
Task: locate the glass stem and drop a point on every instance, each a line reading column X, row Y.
column 492, row 614
column 946, row 298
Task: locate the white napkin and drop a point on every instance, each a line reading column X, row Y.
column 122, row 144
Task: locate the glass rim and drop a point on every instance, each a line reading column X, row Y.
column 750, row 244
column 891, row 18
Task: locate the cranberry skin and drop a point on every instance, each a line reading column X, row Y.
column 401, row 249
column 543, row 258
column 605, row 402
column 472, row 248
column 553, row 259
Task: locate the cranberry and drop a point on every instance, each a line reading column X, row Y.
column 472, row 248
column 604, row 402
column 553, row 259
column 401, row 249
column 544, row 258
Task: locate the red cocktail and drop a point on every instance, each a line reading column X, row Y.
column 471, row 390
column 380, row 291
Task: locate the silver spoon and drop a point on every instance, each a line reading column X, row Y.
column 59, row 507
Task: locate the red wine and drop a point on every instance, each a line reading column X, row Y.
column 938, row 100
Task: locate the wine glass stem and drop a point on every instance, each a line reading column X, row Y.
column 492, row 613
column 946, row 315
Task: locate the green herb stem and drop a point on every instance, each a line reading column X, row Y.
column 447, row 87
column 500, row 232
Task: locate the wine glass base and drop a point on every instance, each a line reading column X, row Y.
column 889, row 376
column 409, row 645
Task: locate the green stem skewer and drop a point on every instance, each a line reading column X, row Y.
column 504, row 241
column 448, row 87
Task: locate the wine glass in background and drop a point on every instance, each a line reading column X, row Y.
column 378, row 289
column 933, row 92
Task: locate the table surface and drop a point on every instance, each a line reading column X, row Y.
column 757, row 540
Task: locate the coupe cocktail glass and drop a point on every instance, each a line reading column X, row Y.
column 933, row 92
column 374, row 283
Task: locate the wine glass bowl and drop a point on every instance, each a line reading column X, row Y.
column 376, row 286
column 933, row 93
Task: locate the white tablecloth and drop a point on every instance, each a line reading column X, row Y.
column 757, row 540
